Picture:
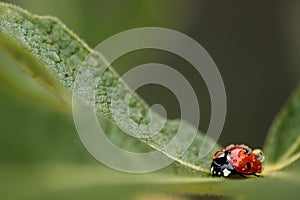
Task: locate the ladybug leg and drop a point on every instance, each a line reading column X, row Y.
column 242, row 175
column 256, row 175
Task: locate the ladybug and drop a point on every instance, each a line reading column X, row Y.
column 237, row 159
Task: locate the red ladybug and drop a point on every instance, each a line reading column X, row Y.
column 237, row 159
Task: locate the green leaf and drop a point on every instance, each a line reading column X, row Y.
column 75, row 181
column 279, row 186
column 50, row 53
column 282, row 146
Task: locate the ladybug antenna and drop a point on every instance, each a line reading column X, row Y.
column 259, row 154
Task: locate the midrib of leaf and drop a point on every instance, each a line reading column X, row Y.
column 293, row 148
column 46, row 45
column 13, row 78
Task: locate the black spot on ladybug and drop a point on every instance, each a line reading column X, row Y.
column 248, row 165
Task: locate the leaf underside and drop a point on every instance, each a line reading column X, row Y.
column 43, row 44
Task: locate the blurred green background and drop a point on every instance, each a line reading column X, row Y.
column 255, row 45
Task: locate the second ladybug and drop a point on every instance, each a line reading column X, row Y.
column 237, row 159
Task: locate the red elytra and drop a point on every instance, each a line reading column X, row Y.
column 244, row 160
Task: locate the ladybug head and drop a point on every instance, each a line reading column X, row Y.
column 220, row 165
column 259, row 154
